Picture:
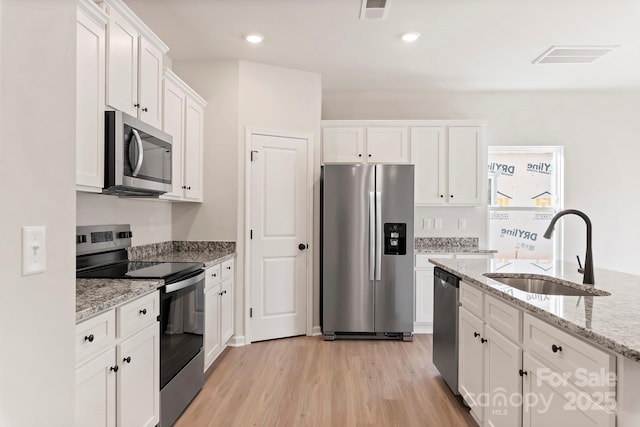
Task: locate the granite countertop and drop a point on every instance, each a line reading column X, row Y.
column 456, row 250
column 94, row 296
column 449, row 245
column 208, row 253
column 610, row 321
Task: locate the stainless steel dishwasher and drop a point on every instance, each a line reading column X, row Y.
column 446, row 289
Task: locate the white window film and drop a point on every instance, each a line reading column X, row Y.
column 525, row 191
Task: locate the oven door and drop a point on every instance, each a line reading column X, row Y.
column 181, row 324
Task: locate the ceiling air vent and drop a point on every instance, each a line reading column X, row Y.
column 375, row 9
column 573, row 54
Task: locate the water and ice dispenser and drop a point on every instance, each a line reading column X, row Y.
column 395, row 238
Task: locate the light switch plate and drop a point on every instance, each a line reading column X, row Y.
column 438, row 223
column 427, row 223
column 34, row 250
column 462, row 223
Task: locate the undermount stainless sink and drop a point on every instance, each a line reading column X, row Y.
column 540, row 284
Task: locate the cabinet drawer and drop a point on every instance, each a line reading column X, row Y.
column 227, row 269
column 94, row 335
column 585, row 366
column 503, row 317
column 213, row 276
column 472, row 299
column 422, row 260
column 137, row 314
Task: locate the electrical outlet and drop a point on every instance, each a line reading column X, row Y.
column 427, row 223
column 462, row 223
column 34, row 250
column 438, row 223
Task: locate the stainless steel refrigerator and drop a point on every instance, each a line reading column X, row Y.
column 367, row 251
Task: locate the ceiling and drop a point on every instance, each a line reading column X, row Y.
column 464, row 44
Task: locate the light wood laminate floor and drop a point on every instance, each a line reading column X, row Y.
column 305, row 381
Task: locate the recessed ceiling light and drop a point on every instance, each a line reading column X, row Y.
column 254, row 38
column 410, row 37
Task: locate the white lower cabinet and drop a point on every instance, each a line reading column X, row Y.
column 471, row 362
column 96, row 391
column 118, row 376
column 540, row 378
column 218, row 303
column 552, row 402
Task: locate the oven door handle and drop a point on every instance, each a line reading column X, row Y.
column 139, row 155
column 184, row 283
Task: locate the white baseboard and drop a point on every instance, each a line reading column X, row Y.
column 422, row 328
column 316, row 331
column 236, row 341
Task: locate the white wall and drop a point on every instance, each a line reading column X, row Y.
column 599, row 131
column 216, row 218
column 150, row 219
column 277, row 98
column 240, row 95
column 37, row 182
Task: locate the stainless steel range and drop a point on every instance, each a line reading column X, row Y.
column 101, row 252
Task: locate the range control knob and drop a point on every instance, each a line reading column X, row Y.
column 81, row 238
column 125, row 235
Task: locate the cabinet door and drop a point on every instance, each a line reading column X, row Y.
column 173, row 123
column 387, row 145
column 194, row 136
column 551, row 402
column 226, row 311
column 150, row 83
column 428, row 154
column 139, row 379
column 212, row 345
column 471, row 361
column 122, row 65
column 343, row 145
column 465, row 168
column 424, row 298
column 96, row 392
column 503, row 361
column 90, row 82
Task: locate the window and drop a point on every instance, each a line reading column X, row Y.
column 525, row 191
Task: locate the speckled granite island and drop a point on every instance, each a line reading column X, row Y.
column 95, row 296
column 610, row 321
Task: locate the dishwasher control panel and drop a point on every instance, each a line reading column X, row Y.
column 395, row 238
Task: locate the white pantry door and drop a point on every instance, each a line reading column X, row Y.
column 279, row 216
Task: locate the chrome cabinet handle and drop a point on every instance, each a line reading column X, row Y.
column 140, row 154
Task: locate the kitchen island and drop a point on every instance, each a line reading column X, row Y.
column 565, row 349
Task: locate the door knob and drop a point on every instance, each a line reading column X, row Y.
column 302, row 246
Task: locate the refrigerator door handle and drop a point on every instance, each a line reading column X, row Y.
column 378, row 234
column 372, row 235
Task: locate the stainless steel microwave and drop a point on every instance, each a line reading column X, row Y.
column 137, row 157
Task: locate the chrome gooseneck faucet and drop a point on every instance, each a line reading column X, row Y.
column 588, row 262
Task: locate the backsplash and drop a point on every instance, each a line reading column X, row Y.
column 437, row 243
column 155, row 249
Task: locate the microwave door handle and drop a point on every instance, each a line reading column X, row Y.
column 140, row 155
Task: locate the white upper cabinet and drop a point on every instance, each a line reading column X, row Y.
column 387, row 144
column 449, row 155
column 450, row 165
column 466, row 165
column 428, row 154
column 134, row 65
column 150, row 83
column 90, row 95
column 343, row 145
column 365, row 144
column 183, row 119
column 193, row 146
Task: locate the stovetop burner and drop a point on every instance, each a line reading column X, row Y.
column 140, row 270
